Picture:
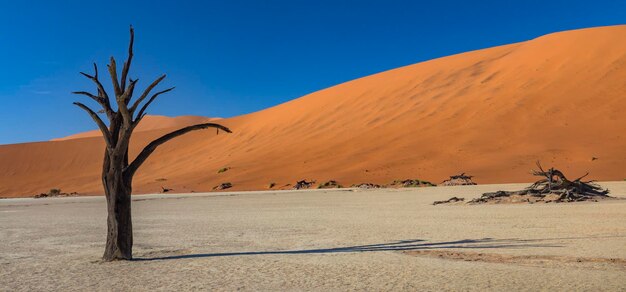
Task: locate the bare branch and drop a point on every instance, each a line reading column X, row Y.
column 149, row 149
column 138, row 119
column 104, row 97
column 113, row 72
column 131, row 89
column 103, row 128
column 578, row 179
column 145, row 106
column 146, row 92
column 539, row 166
column 123, row 109
column 92, row 96
column 123, row 106
column 126, row 67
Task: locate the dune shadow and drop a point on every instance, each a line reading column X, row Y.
column 402, row 245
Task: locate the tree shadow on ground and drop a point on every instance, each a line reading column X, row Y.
column 403, row 245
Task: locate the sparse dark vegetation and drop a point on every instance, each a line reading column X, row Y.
column 223, row 186
column 303, row 184
column 223, row 169
column 160, row 179
column 165, row 190
column 331, row 184
column 366, row 186
column 410, row 183
column 54, row 193
column 271, row 185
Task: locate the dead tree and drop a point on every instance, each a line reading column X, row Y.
column 553, row 182
column 117, row 169
column 459, row 180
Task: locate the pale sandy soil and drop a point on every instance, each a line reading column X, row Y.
column 319, row 240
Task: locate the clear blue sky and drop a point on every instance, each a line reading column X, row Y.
column 228, row 58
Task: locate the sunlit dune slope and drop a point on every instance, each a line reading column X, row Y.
column 491, row 113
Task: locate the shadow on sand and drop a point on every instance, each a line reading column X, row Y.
column 403, row 245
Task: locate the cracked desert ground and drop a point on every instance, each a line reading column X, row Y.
column 347, row 239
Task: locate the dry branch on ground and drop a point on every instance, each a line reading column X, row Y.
column 303, row 184
column 553, row 187
column 451, row 200
column 459, row 180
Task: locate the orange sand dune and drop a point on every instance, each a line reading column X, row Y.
column 149, row 123
column 492, row 113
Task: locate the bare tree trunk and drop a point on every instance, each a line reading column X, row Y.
column 118, row 189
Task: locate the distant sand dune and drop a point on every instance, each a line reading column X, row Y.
column 492, row 113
